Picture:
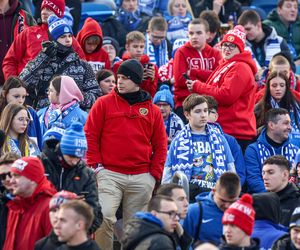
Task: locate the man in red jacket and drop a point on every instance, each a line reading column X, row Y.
column 196, row 59
column 127, row 146
column 28, row 44
column 28, row 215
column 233, row 85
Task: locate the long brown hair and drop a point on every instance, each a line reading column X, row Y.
column 7, row 116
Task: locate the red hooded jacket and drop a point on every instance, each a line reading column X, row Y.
column 200, row 64
column 99, row 58
column 28, row 218
column 147, row 84
column 26, row 47
column 233, row 85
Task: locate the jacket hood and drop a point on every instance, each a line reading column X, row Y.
column 289, row 192
column 254, row 245
column 273, row 15
column 90, row 28
column 263, row 139
column 245, row 57
column 144, row 59
column 140, row 227
column 267, row 207
column 69, row 91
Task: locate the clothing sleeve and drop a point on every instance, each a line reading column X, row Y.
column 37, row 127
column 285, row 49
column 200, row 74
column 93, row 130
column 151, row 85
column 191, row 220
column 233, row 85
column 14, row 55
column 253, row 171
column 90, row 88
column 159, row 144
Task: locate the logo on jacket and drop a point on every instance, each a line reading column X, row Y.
column 230, row 38
column 38, row 36
column 143, row 111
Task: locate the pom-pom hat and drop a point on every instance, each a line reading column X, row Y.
column 236, row 36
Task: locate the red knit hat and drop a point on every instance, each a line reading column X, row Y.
column 241, row 214
column 30, row 167
column 236, row 36
column 57, row 6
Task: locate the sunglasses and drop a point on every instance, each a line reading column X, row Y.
column 4, row 175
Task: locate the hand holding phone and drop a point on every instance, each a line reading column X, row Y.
column 185, row 76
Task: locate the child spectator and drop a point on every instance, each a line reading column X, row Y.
column 14, row 122
column 58, row 58
column 135, row 44
column 164, row 100
column 106, row 80
column 14, row 91
column 64, row 96
column 112, row 47
column 90, row 38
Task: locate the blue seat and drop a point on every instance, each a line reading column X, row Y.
column 266, row 5
column 260, row 11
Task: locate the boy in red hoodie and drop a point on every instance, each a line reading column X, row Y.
column 196, row 59
column 90, row 38
column 135, row 44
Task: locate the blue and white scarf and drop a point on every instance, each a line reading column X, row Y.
column 173, row 125
column 183, row 152
column 162, row 52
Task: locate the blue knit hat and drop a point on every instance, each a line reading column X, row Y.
column 68, row 17
column 164, row 95
column 55, row 132
column 57, row 27
column 73, row 142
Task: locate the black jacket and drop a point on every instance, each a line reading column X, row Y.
column 289, row 200
column 3, row 215
column 283, row 243
column 49, row 242
column 88, row 245
column 141, row 234
column 75, row 179
column 225, row 246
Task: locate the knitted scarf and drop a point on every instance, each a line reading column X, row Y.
column 162, row 51
column 183, row 152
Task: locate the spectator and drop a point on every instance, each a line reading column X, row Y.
column 173, row 123
column 64, row 96
column 14, row 122
column 127, row 122
column 195, row 58
column 112, row 47
column 14, row 91
column 180, row 16
column 5, row 191
column 154, row 229
column 290, row 241
column 295, row 171
column 156, row 46
column 235, row 148
column 106, row 80
column 273, row 140
column 135, row 44
column 13, row 21
column 27, row 46
column 66, row 171
column 31, row 205
column 236, row 102
column 238, row 223
column 74, row 219
column 286, row 21
column 58, row 58
column 51, row 242
column 278, row 95
column 213, row 34
column 275, row 174
column 267, row 219
column 199, row 151
column 204, row 218
column 227, row 10
column 90, row 38
column 262, row 39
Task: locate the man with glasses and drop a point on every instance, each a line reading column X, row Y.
column 154, row 229
column 204, row 219
column 233, row 85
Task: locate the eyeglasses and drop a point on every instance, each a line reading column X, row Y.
column 172, row 214
column 4, row 175
column 229, row 46
column 157, row 37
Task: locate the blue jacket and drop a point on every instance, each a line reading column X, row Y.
column 274, row 232
column 256, row 153
column 34, row 128
column 211, row 226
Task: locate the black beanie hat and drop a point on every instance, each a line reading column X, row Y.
column 133, row 70
column 113, row 42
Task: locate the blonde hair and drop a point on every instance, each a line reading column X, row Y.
column 135, row 36
column 188, row 7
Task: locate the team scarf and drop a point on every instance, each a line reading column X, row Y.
column 173, row 125
column 162, row 51
column 11, row 146
column 183, row 153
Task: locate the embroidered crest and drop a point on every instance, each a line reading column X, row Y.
column 38, row 36
column 230, row 38
column 143, row 111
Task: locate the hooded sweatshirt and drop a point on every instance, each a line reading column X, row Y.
column 98, row 59
column 233, row 85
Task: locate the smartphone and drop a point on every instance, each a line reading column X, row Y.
column 185, row 76
column 147, row 65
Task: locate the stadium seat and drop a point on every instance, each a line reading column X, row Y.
column 260, row 11
column 266, row 5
